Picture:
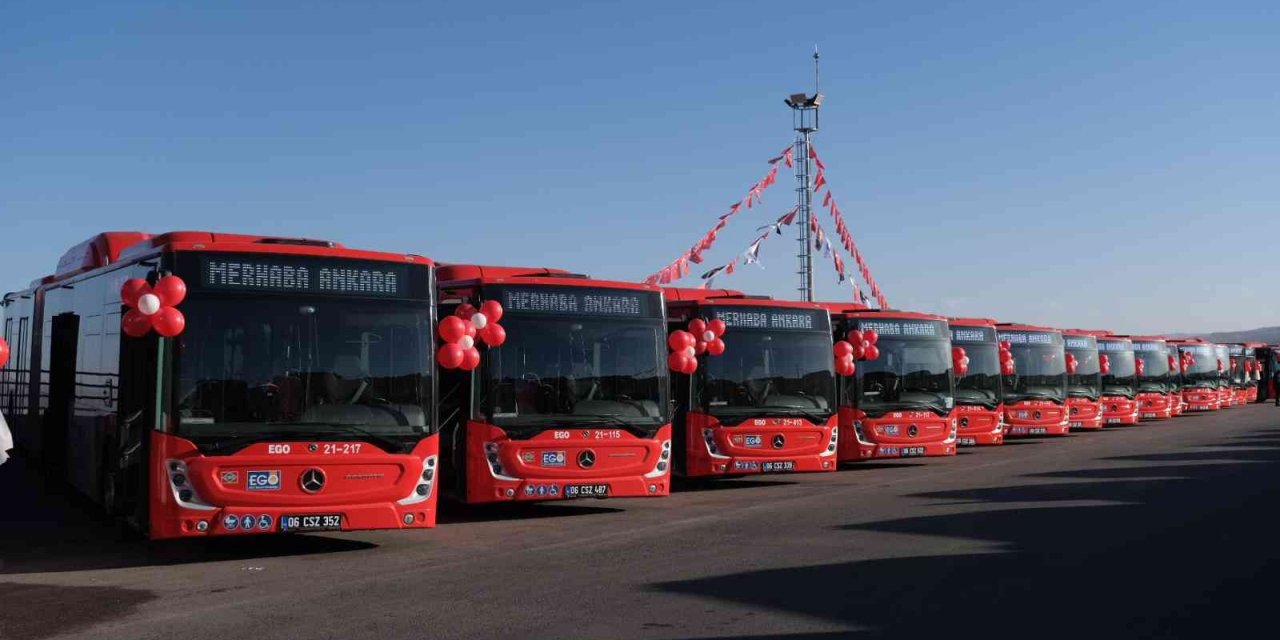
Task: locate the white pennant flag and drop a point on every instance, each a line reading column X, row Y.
column 6, row 440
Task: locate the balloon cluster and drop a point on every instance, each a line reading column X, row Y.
column 460, row 330
column 1233, row 365
column 1006, row 358
column 153, row 307
column 1104, row 364
column 1186, row 360
column 1219, row 365
column 959, row 361
column 1139, row 367
column 1173, row 363
column 1072, row 364
column 4, row 352
column 702, row 337
column 860, row 345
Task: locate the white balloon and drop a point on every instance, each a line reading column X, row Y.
column 479, row 320
column 691, row 352
column 866, row 343
column 467, row 342
column 148, row 304
column 708, row 336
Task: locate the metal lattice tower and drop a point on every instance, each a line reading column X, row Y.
column 804, row 116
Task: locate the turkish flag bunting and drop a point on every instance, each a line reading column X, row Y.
column 819, row 181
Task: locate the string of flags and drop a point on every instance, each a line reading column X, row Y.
column 842, row 229
column 680, row 267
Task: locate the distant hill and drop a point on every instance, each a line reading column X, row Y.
column 1269, row 335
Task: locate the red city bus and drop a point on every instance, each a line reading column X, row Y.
column 1157, row 378
column 901, row 400
column 1035, row 395
column 1119, row 379
column 196, row 383
column 1268, row 356
column 1241, row 371
column 1084, row 379
column 573, row 404
column 767, row 403
column 1201, row 379
column 1177, row 404
column 1253, row 370
column 979, row 397
column 1226, row 392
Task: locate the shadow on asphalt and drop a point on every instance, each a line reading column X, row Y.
column 42, row 530
column 43, row 611
column 724, row 484
column 1176, row 550
column 450, row 512
column 883, row 464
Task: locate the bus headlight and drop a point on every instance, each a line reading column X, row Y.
column 183, row 493
column 660, row 469
column 426, row 482
column 832, row 443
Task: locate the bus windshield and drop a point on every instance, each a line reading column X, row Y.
column 1086, row 381
column 981, row 384
column 764, row 373
column 1203, row 370
column 1039, row 373
column 1120, row 380
column 564, row 369
column 909, row 374
column 282, row 367
column 1155, row 373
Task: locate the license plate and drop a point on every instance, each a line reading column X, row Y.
column 1037, row 431
column 1148, row 415
column 908, row 452
column 1113, row 420
column 779, row 466
column 1076, row 425
column 754, row 441
column 316, row 522
column 586, row 491
column 968, row 442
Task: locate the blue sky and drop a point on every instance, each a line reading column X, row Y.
column 1094, row 164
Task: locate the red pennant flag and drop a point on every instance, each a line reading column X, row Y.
column 733, row 264
column 788, row 156
column 821, row 180
column 826, row 199
column 790, row 216
column 813, row 153
column 695, row 257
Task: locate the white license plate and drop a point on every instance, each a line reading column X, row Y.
column 1148, row 415
column 1038, row 431
column 779, row 466
column 315, row 522
column 1075, row 425
column 1113, row 420
column 908, row 452
column 968, row 442
column 586, row 491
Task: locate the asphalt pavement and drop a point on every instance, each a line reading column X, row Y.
column 1164, row 529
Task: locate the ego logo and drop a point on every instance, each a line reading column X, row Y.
column 277, row 448
column 263, row 480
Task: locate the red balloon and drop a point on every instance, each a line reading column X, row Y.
column 1006, row 356
column 134, row 324
column 1007, row 368
column 717, row 327
column 1006, row 345
column 133, row 289
column 168, row 322
column 871, row 353
column 855, row 336
column 697, row 326
column 465, row 311
column 493, row 335
column 843, row 349
column 452, row 329
column 171, row 289
column 858, row 351
column 845, row 366
column 4, row 352
column 449, row 356
column 700, row 348
column 677, row 361
column 871, row 336
column 962, row 371
column 492, row 309
column 715, row 347
column 470, row 359
column 681, row 340
column 690, row 365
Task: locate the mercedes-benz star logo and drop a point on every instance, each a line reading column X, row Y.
column 778, row 441
column 312, row 480
column 587, row 459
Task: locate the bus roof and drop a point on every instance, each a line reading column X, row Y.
column 111, row 247
column 972, row 322
column 1145, row 338
column 1017, row 326
column 896, row 314
column 729, row 297
column 461, row 274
